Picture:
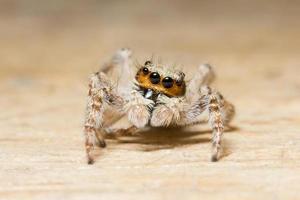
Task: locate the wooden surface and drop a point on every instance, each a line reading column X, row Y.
column 48, row 49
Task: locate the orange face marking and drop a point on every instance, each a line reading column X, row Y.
column 144, row 81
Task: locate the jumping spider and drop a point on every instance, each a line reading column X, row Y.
column 155, row 95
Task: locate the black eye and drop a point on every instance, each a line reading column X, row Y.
column 167, row 82
column 148, row 62
column 145, row 70
column 154, row 77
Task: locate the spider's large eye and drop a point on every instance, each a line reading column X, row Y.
column 167, row 82
column 145, row 70
column 148, row 62
column 154, row 78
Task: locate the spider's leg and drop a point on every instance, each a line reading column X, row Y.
column 121, row 59
column 220, row 113
column 100, row 95
column 181, row 111
column 204, row 75
column 216, row 121
column 121, row 71
column 227, row 110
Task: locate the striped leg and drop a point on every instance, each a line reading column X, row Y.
column 220, row 113
column 217, row 125
column 100, row 95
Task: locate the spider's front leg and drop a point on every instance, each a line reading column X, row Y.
column 220, row 113
column 100, row 95
column 216, row 121
column 204, row 75
column 200, row 97
column 180, row 111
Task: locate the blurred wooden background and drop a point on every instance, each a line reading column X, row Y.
column 49, row 48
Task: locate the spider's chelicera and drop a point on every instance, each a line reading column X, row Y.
column 156, row 96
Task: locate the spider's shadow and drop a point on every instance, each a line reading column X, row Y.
column 153, row 139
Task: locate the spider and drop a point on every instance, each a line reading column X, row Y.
column 154, row 95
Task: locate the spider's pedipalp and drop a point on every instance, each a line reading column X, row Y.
column 138, row 109
column 167, row 112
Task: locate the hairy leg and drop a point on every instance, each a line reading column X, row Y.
column 228, row 111
column 121, row 59
column 180, row 111
column 100, row 95
column 220, row 113
column 121, row 71
column 203, row 76
column 216, row 121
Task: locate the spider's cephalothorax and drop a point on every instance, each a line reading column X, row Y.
column 156, row 96
column 155, row 79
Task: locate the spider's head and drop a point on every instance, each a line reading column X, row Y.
column 161, row 79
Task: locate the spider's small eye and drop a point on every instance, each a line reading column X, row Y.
column 145, row 70
column 148, row 62
column 179, row 82
column 167, row 82
column 154, row 78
